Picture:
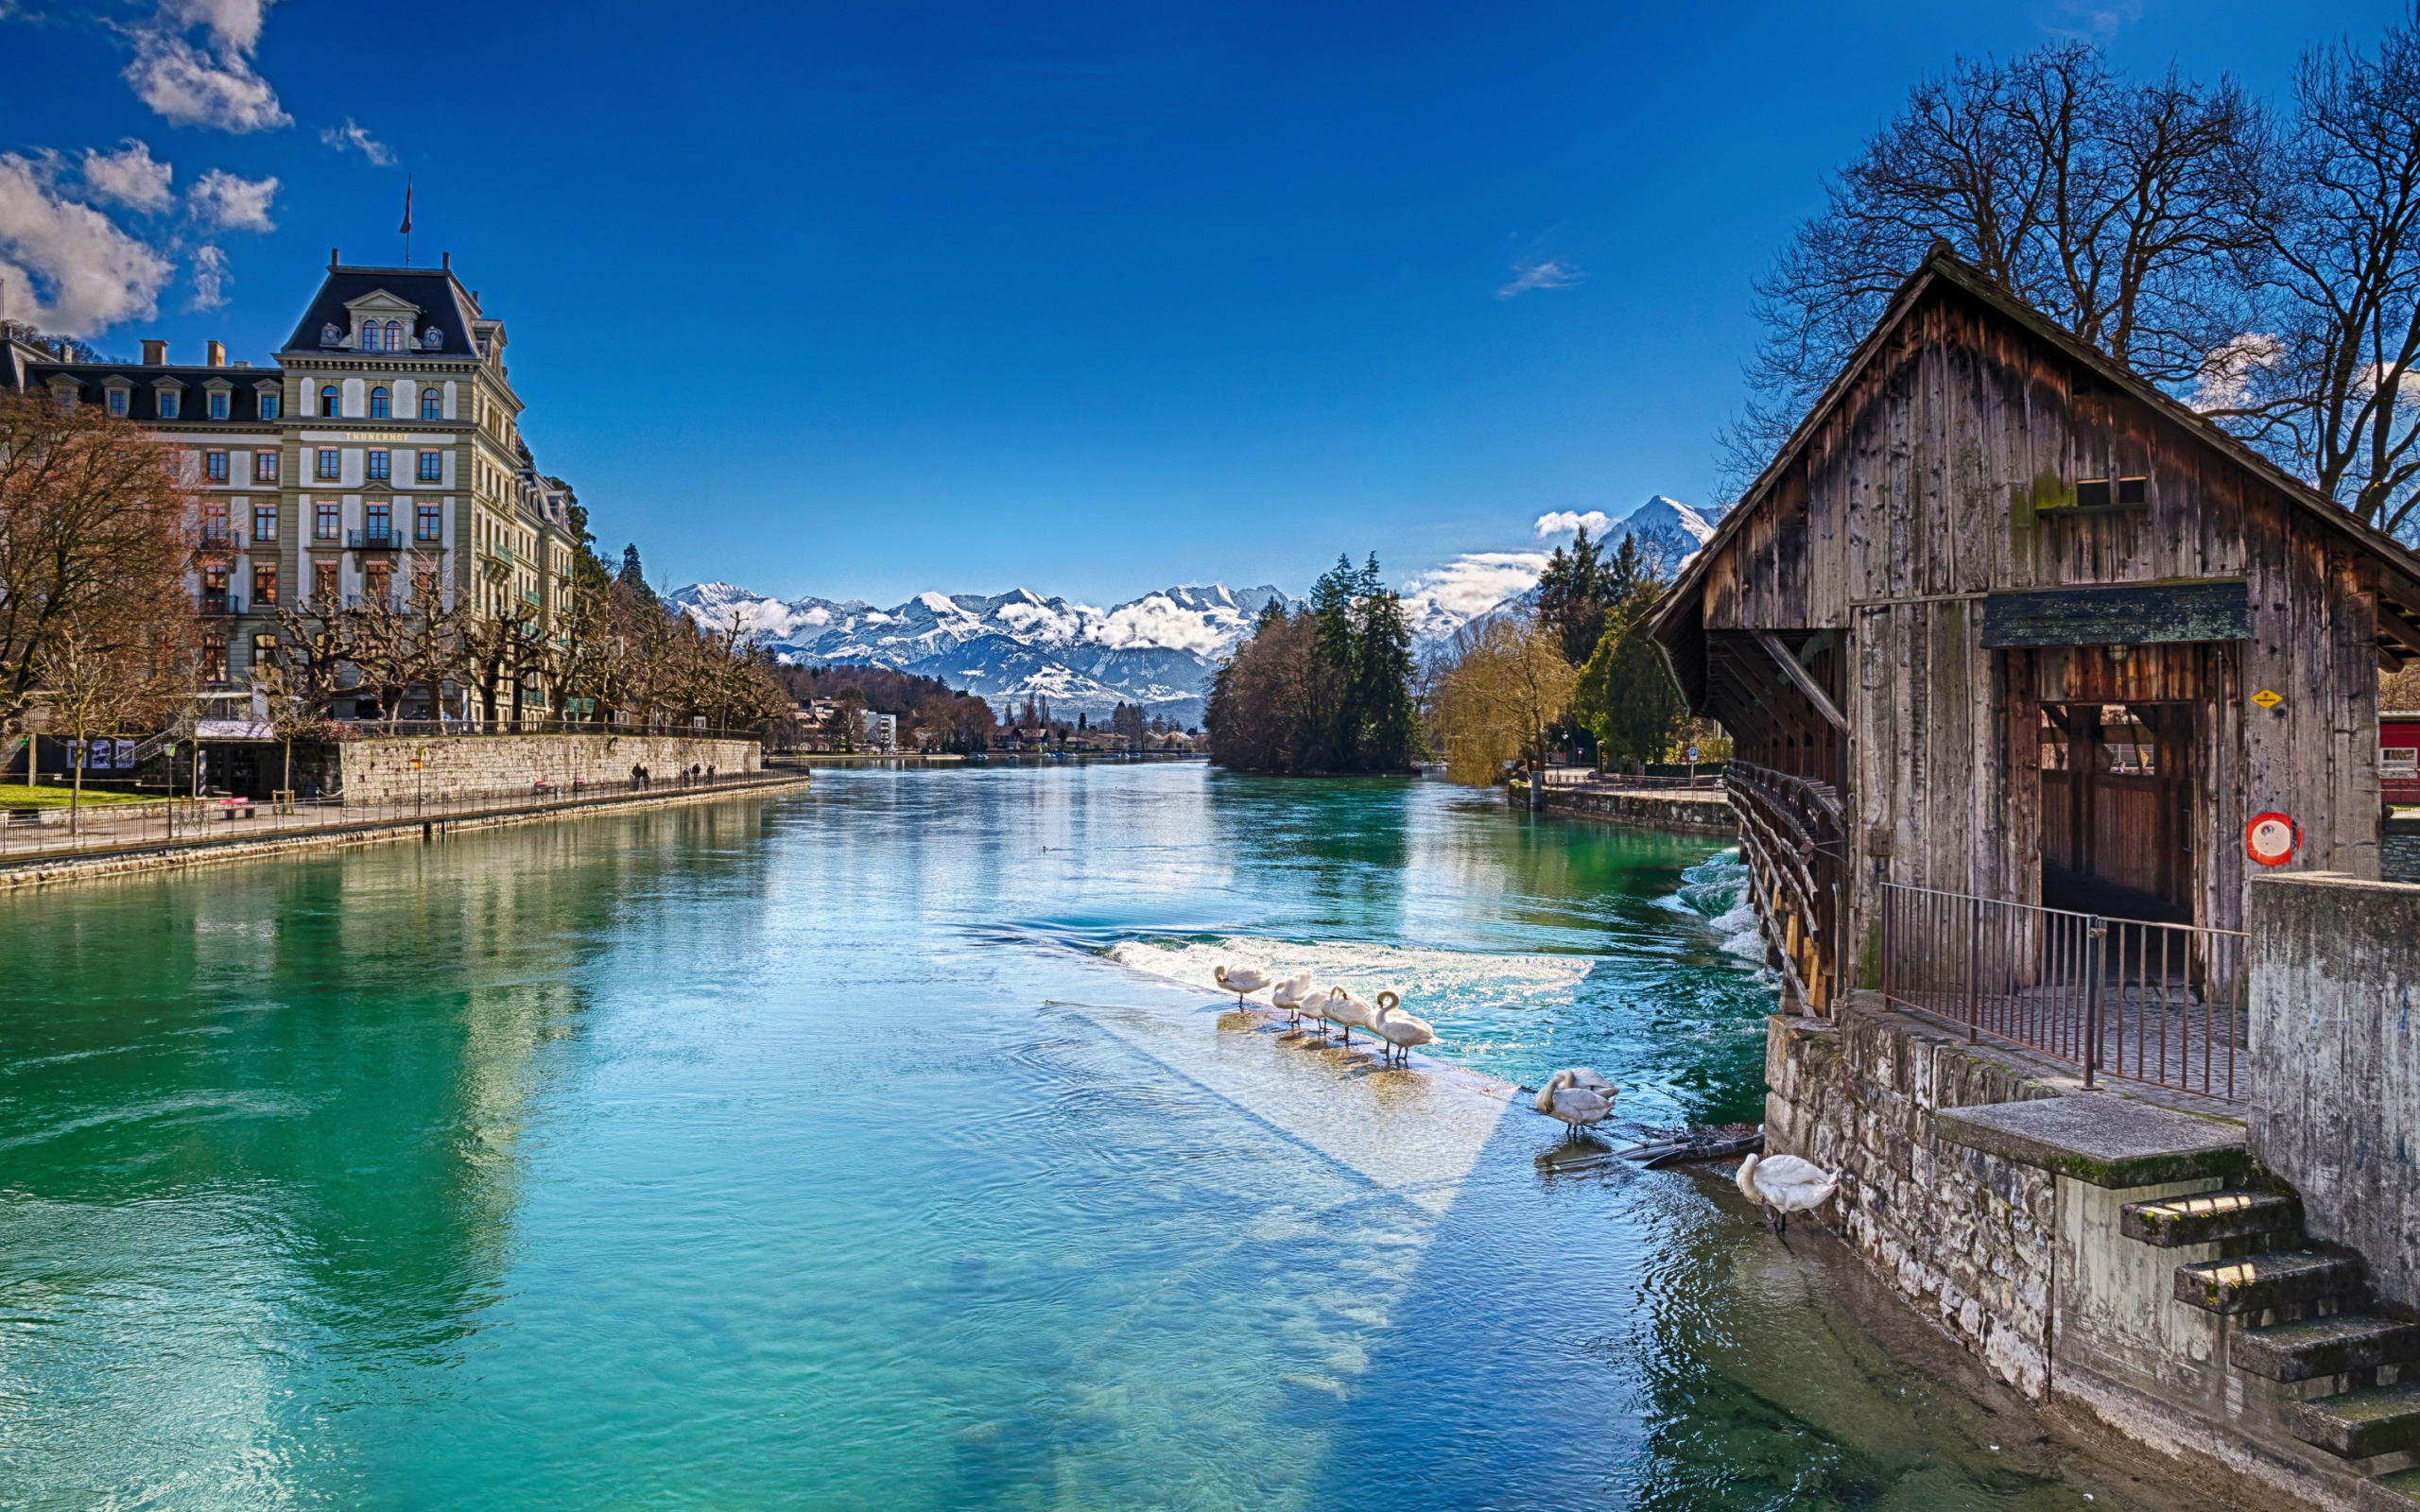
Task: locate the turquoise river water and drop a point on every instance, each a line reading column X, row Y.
column 872, row 1147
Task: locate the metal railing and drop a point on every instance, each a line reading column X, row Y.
column 181, row 821
column 375, row 539
column 2131, row 998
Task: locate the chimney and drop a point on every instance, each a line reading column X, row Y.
column 214, row 354
column 445, row 261
column 155, row 353
column 334, row 257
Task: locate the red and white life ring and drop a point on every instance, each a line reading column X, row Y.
column 2271, row 839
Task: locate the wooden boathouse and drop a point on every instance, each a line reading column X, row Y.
column 2006, row 637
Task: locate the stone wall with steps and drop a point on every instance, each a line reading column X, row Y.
column 2169, row 1290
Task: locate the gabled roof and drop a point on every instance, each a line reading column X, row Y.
column 1943, row 266
column 443, row 304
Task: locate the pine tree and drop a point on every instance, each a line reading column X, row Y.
column 1574, row 593
column 632, row 577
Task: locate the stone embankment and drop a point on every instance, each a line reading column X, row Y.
column 1695, row 811
column 402, row 768
column 235, row 841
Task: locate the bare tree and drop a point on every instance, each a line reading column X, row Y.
column 93, row 529
column 2129, row 212
column 2332, row 387
column 101, row 674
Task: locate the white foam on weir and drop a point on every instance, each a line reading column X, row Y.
column 1415, row 1133
column 1430, row 981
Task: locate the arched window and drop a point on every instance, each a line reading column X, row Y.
column 395, row 335
column 432, row 405
column 378, row 405
column 328, row 397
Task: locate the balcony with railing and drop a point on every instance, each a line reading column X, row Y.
column 2136, row 999
column 216, row 606
column 375, row 539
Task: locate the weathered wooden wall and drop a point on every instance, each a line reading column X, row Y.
column 1946, row 473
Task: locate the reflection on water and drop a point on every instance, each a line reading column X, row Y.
column 869, row 1147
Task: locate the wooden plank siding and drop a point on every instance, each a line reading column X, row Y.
column 1940, row 469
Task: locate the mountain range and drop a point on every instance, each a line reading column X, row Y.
column 1158, row 651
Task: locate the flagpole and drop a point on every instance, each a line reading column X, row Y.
column 407, row 226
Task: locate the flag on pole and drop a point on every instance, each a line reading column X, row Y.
column 406, row 229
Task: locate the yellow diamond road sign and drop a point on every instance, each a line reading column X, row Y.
column 2268, row 699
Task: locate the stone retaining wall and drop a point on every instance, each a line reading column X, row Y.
column 381, row 771
column 2336, row 1062
column 1968, row 1238
column 1700, row 813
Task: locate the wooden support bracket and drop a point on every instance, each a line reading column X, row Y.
column 1801, row 678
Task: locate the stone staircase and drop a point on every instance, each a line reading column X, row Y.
column 2344, row 1381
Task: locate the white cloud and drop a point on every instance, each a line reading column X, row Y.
column 127, row 177
column 1440, row 600
column 222, row 201
column 351, row 137
column 1565, row 522
column 80, row 271
column 210, row 83
column 2227, row 371
column 210, row 278
column 1547, row 273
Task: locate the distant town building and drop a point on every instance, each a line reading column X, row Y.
column 379, row 455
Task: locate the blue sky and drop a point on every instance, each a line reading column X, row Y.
column 870, row 300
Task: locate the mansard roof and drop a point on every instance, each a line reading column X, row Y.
column 443, row 302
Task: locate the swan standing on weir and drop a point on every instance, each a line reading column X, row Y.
column 1581, row 1107
column 1400, row 1030
column 1242, row 981
column 1785, row 1184
column 1350, row 1012
column 1291, row 995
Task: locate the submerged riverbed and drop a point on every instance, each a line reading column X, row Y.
column 868, row 1147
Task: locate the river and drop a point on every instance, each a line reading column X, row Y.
column 867, row 1147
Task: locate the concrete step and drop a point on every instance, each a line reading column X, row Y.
column 2405, row 1483
column 2257, row 1283
column 2359, row 1423
column 2208, row 1218
column 2323, row 1347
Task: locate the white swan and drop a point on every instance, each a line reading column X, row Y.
column 1581, row 1107
column 1586, row 1079
column 1241, row 981
column 1785, row 1184
column 1293, row 995
column 1350, row 1012
column 1400, row 1030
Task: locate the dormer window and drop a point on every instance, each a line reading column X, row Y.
column 378, row 403
column 329, row 402
column 117, row 402
column 169, row 404
column 219, row 401
column 269, row 404
column 395, row 335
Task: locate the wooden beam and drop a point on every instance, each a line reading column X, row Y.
column 1801, row 678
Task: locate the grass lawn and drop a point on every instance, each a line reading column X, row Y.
column 16, row 795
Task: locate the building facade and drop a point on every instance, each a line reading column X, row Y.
column 378, row 454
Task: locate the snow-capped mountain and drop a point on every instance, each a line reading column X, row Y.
column 1158, row 651
column 1480, row 584
column 1670, row 516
